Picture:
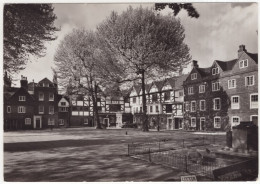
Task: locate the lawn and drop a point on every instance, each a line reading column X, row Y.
column 81, row 154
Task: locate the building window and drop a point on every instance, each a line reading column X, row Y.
column 250, row 80
column 51, row 121
column 134, row 100
column 66, row 109
column 254, row 118
column 187, row 106
column 21, row 109
column 9, row 109
column 235, row 120
column 181, row 93
column 253, row 101
column 51, row 109
column 154, row 97
column 21, row 98
column 202, row 89
column 202, row 105
column 202, row 123
column 168, row 108
column 243, row 63
column 215, row 86
column 215, row 71
column 216, row 103
column 41, row 109
column 217, row 122
column 231, row 83
column 61, row 122
column 27, row 121
column 41, row 96
column 167, row 96
column 157, row 108
column 51, row 97
column 190, row 90
column 63, row 103
column 193, row 106
column 235, row 102
column 193, row 76
column 151, row 109
column 193, row 122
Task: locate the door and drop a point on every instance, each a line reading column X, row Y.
column 37, row 122
column 255, row 119
column 202, row 123
column 106, row 122
column 176, row 123
column 169, row 124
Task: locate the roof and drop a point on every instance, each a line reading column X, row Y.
column 159, row 84
column 204, row 71
column 179, row 81
column 253, row 56
column 226, row 65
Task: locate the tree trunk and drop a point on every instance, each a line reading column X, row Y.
column 95, row 108
column 145, row 117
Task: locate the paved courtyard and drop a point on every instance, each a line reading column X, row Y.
column 82, row 154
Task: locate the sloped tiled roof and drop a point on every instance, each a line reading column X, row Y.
column 253, row 56
column 179, row 81
column 226, row 65
column 204, row 71
column 159, row 84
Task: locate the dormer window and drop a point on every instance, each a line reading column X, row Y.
column 215, row 71
column 21, row 98
column 193, row 76
column 243, row 63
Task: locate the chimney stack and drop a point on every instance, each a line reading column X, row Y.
column 242, row 48
column 24, row 82
column 195, row 64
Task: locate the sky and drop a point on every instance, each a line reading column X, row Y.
column 215, row 35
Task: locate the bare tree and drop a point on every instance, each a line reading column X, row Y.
column 146, row 45
column 80, row 64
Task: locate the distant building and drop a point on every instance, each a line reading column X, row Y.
column 63, row 111
column 224, row 94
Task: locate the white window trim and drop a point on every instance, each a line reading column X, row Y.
column 214, row 104
column 51, row 99
column 191, row 122
column 190, row 90
column 253, row 80
column 26, row 123
column 238, row 102
column 251, row 117
column 200, row 87
column 41, row 99
column 187, row 106
column 41, row 112
column 193, row 76
column 214, row 84
column 243, row 63
column 21, row 108
column 231, row 87
column 50, row 110
column 251, row 101
column 22, row 98
column 191, row 106
column 204, row 105
column 202, row 118
column 232, row 120
column 217, row 117
column 8, row 110
column 215, row 71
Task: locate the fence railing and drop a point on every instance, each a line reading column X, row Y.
column 165, row 152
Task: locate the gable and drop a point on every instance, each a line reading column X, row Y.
column 21, row 92
column 252, row 65
column 133, row 93
column 166, row 86
column 45, row 83
column 153, row 89
column 141, row 92
column 63, row 100
column 193, row 71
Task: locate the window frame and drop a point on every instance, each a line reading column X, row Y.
column 217, row 117
column 22, row 98
column 204, row 105
column 214, row 105
column 191, row 107
column 202, row 86
column 193, row 76
column 21, row 109
column 214, row 86
column 246, row 84
column 243, row 63
column 8, row 109
column 41, row 112
column 51, row 99
column 215, row 70
column 250, row 100
column 230, row 86
column 190, row 90
column 191, row 122
column 232, row 104
column 41, row 99
column 232, row 120
column 26, row 122
column 51, row 107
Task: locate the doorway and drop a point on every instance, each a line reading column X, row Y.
column 169, row 123
column 37, row 122
column 202, row 123
column 106, row 122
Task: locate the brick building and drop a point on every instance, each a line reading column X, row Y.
column 223, row 94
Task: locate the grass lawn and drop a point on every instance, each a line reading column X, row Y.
column 81, row 154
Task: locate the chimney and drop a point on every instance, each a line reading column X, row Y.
column 195, row 64
column 24, row 82
column 242, row 48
